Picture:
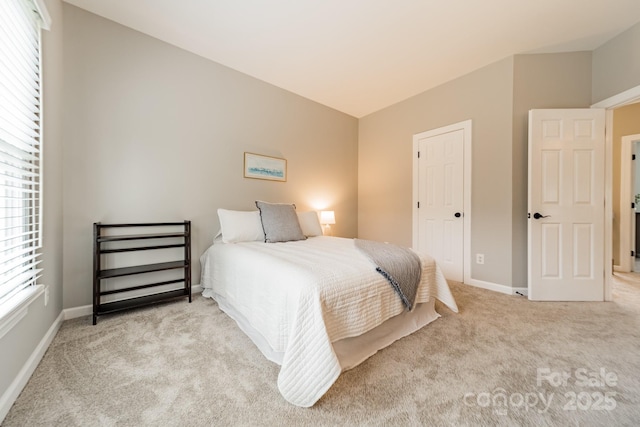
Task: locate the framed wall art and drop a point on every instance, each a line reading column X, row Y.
column 257, row 166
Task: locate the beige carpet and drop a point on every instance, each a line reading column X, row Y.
column 188, row 364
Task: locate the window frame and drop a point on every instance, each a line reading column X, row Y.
column 14, row 305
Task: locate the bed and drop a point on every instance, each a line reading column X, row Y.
column 316, row 305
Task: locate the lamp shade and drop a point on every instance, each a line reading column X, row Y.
column 327, row 217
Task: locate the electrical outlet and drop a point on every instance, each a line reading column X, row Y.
column 479, row 258
column 46, row 295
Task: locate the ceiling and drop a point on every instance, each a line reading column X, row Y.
column 359, row 56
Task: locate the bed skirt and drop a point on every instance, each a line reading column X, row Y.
column 350, row 351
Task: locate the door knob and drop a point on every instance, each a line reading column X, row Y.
column 457, row 214
column 538, row 216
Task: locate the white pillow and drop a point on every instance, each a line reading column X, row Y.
column 240, row 226
column 310, row 223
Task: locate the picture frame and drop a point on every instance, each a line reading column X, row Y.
column 257, row 166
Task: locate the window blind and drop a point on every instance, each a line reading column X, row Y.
column 20, row 154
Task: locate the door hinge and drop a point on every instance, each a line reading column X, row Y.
column 418, row 154
column 633, row 205
column 633, row 253
column 633, row 157
column 418, row 205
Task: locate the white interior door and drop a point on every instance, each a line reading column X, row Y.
column 566, row 204
column 441, row 200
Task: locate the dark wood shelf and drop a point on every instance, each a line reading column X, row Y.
column 111, row 307
column 99, row 274
column 139, row 269
column 138, row 287
column 141, row 248
column 123, row 237
column 140, row 224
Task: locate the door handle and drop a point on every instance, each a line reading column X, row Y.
column 538, row 216
column 457, row 214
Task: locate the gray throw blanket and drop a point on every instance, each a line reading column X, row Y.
column 400, row 266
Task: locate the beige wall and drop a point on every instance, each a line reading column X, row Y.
column 560, row 80
column 616, row 65
column 22, row 340
column 497, row 99
column 626, row 121
column 616, row 68
column 53, row 87
column 154, row 133
column 385, row 163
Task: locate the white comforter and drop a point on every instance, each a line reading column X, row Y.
column 302, row 296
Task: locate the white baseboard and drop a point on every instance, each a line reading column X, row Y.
column 14, row 390
column 75, row 312
column 503, row 289
column 87, row 310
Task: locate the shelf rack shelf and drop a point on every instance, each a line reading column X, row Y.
column 101, row 307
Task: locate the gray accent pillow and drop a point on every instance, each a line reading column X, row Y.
column 279, row 222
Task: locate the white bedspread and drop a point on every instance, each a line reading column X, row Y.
column 302, row 296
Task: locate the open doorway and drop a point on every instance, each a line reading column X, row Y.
column 612, row 197
column 623, row 119
column 626, row 171
column 629, row 198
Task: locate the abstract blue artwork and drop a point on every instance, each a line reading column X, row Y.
column 264, row 167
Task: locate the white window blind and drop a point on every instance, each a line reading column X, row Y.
column 20, row 181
